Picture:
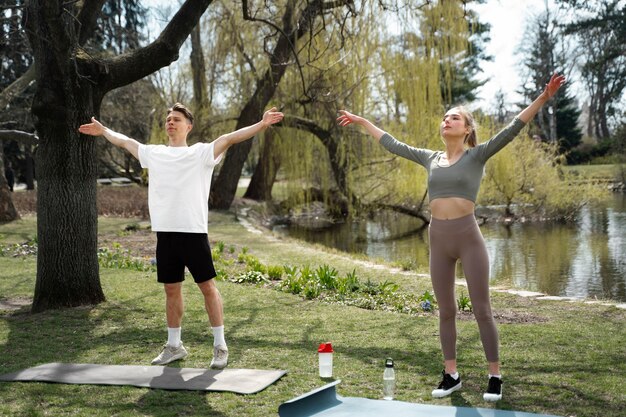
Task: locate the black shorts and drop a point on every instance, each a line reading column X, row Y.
column 175, row 251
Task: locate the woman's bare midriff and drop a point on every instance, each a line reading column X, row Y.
column 448, row 208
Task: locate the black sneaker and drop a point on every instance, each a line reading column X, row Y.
column 494, row 390
column 447, row 386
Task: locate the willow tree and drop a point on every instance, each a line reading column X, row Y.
column 404, row 97
column 298, row 20
column 390, row 75
column 71, row 84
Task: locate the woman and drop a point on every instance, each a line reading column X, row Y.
column 453, row 181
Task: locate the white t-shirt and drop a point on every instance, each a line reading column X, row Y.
column 179, row 185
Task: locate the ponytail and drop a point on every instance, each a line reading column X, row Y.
column 470, row 139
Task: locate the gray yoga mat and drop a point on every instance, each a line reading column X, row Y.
column 324, row 402
column 241, row 381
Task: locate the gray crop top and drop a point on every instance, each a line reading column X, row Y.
column 462, row 179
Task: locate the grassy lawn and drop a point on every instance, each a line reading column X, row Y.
column 560, row 358
column 605, row 172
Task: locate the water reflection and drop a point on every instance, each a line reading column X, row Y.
column 586, row 259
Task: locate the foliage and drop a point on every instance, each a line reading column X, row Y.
column 251, row 277
column 463, row 303
column 526, row 177
column 324, row 283
column 120, row 258
column 459, row 74
column 121, row 26
column 408, row 264
column 252, row 262
column 545, row 54
column 327, row 277
column 275, row 272
column 600, row 28
column 15, row 250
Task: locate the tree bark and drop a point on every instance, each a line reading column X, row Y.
column 264, row 176
column 70, row 88
column 198, row 71
column 8, row 213
column 29, row 171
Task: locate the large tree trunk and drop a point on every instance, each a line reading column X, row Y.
column 67, row 261
column 264, row 176
column 70, row 88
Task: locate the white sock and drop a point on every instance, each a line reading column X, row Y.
column 218, row 336
column 173, row 336
column 497, row 376
column 455, row 375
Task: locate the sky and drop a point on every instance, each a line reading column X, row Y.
column 508, row 19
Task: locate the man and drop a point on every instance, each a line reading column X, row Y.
column 178, row 193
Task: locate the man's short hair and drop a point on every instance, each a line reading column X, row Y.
column 183, row 109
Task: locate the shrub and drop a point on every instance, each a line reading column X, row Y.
column 327, row 277
column 275, row 272
column 251, row 277
column 464, row 303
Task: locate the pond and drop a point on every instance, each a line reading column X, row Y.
column 585, row 259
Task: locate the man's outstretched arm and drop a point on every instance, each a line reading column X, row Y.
column 95, row 128
column 224, row 142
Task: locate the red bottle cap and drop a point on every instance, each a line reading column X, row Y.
column 325, row 348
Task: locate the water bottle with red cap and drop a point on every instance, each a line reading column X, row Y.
column 325, row 353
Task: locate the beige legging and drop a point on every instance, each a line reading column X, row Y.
column 451, row 240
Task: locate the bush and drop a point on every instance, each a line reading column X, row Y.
column 526, row 176
column 251, row 277
column 275, row 272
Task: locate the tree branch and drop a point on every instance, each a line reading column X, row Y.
column 18, row 135
column 308, row 125
column 130, row 67
column 87, row 18
column 16, row 87
column 409, row 211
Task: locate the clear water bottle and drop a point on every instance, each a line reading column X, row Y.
column 389, row 380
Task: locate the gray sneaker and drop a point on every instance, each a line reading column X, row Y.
column 170, row 354
column 220, row 357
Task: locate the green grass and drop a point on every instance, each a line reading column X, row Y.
column 605, row 172
column 559, row 358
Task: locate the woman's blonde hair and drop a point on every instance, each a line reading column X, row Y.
column 471, row 140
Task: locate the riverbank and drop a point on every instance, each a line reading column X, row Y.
column 560, row 358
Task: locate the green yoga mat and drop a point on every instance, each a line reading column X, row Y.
column 241, row 381
column 324, row 402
